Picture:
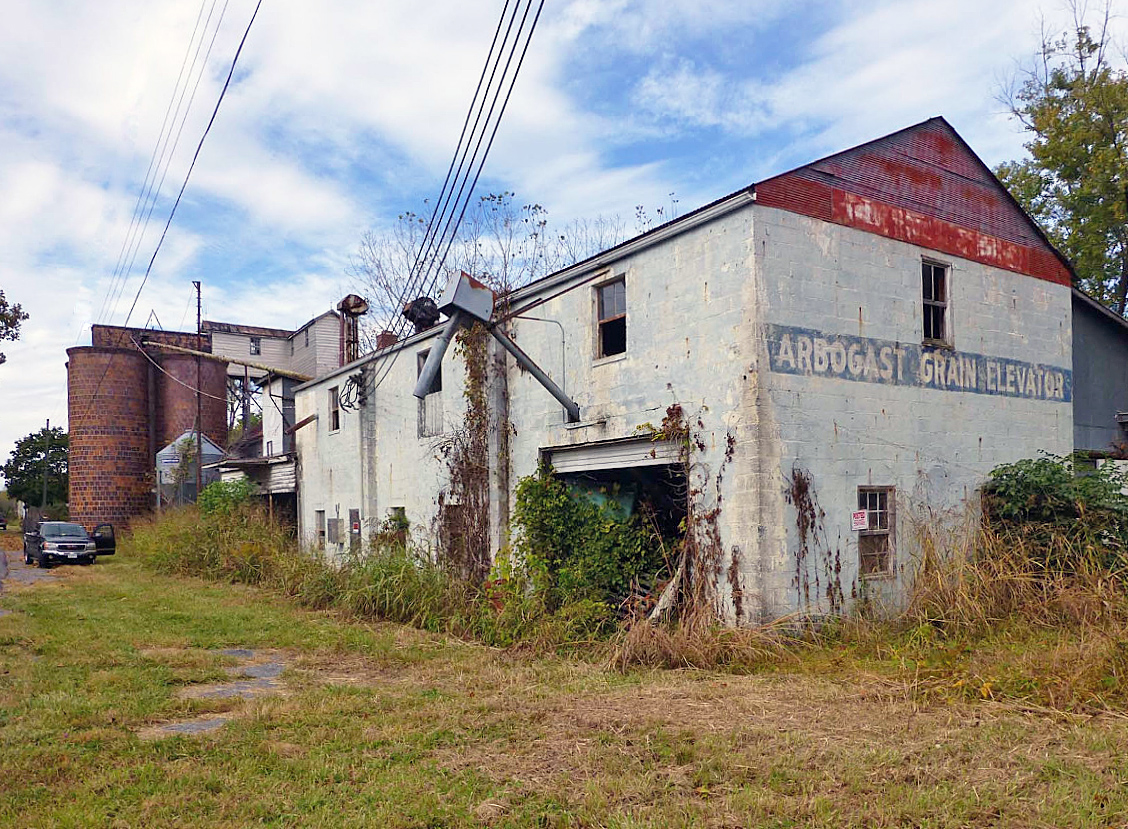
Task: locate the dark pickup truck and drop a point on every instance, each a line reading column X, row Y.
column 55, row 542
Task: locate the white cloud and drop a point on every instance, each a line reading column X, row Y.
column 884, row 66
column 333, row 99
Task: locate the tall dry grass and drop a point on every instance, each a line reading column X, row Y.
column 1005, row 576
column 1023, row 612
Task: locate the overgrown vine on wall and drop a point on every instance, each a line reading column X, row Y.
column 463, row 516
column 818, row 569
column 696, row 579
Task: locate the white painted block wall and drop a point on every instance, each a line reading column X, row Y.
column 934, row 446
column 698, row 306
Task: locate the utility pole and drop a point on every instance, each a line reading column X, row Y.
column 46, row 462
column 199, row 399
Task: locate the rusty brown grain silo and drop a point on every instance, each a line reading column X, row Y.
column 111, row 474
column 126, row 404
column 176, row 398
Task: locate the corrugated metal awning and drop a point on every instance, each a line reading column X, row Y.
column 617, row 454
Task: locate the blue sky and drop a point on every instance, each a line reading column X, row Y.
column 344, row 114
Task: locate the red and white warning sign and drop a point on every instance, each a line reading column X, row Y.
column 859, row 519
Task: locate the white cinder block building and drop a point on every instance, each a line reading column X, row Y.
column 874, row 331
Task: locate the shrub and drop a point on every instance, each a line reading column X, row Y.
column 1063, row 517
column 577, row 549
column 224, row 497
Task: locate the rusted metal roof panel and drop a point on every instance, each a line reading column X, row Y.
column 921, row 185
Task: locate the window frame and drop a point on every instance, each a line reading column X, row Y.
column 255, row 347
column 943, row 306
column 888, row 531
column 422, row 430
column 601, row 320
column 322, row 530
column 334, row 409
column 307, row 338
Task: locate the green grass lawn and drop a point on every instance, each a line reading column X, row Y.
column 385, row 726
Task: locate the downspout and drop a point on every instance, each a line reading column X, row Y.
column 499, row 450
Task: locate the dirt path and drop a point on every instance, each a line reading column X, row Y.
column 13, row 571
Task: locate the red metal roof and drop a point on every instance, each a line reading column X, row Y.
column 925, row 186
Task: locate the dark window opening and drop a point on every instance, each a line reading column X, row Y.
column 334, row 408
column 420, row 361
column 256, row 346
column 321, row 529
column 875, row 543
column 934, row 291
column 307, row 338
column 658, row 494
column 430, row 407
column 612, row 311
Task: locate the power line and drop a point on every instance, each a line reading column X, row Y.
column 187, row 176
column 176, row 142
column 173, row 377
column 113, row 288
column 489, row 144
column 429, row 238
column 429, row 262
column 439, row 210
column 137, row 208
column 150, row 189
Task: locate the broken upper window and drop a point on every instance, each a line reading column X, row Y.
column 334, row 408
column 431, row 406
column 611, row 299
column 875, row 543
column 256, row 346
column 934, row 290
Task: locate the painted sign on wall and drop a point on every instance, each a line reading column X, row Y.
column 794, row 350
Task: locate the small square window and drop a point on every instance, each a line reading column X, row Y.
column 256, row 346
column 875, row 543
column 934, row 293
column 431, row 406
column 334, row 408
column 611, row 301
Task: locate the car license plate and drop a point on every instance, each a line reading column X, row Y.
column 72, row 555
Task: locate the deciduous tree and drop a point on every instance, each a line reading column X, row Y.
column 502, row 242
column 1073, row 100
column 10, row 318
column 24, row 470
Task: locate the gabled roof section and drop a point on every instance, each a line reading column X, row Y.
column 922, row 185
column 1083, row 300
